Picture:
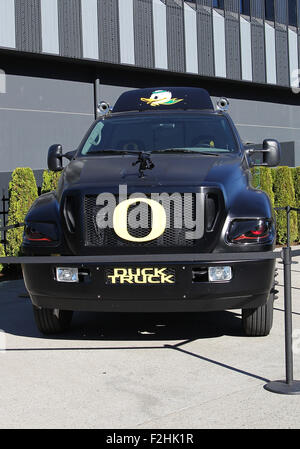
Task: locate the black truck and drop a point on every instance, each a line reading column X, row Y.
column 158, row 182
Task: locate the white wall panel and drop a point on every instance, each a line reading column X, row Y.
column 246, row 52
column 126, row 32
column 293, row 58
column 89, row 12
column 160, row 35
column 219, row 44
column 270, row 54
column 7, row 24
column 49, row 16
column 190, row 26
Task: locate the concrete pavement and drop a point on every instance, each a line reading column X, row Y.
column 144, row 371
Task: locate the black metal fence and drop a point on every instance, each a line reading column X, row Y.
column 4, row 217
column 4, row 207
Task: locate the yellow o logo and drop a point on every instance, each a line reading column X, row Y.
column 159, row 220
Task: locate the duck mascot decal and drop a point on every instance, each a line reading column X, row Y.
column 161, row 97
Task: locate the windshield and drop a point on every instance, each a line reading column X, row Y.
column 188, row 132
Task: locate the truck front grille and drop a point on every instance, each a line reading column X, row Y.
column 172, row 236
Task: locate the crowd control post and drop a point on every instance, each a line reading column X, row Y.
column 289, row 385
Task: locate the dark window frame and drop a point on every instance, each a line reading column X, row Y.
column 270, row 10
column 245, row 7
column 293, row 13
column 218, row 4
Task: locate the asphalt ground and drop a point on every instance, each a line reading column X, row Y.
column 144, row 371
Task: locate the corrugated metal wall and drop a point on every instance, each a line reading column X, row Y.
column 258, row 42
column 232, row 39
column 28, row 25
column 205, row 40
column 175, row 35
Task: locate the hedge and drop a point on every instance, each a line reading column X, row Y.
column 296, row 178
column 50, row 181
column 282, row 184
column 262, row 179
column 284, row 194
column 2, row 254
column 22, row 193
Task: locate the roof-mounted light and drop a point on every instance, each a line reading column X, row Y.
column 223, row 104
column 103, row 108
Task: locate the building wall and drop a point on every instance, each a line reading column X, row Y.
column 52, row 51
column 57, row 105
column 174, row 35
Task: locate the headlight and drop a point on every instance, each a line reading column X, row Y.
column 40, row 232
column 251, row 231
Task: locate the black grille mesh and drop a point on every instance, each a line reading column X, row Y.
column 172, row 237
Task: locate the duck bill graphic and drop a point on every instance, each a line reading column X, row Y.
column 152, row 101
column 164, row 101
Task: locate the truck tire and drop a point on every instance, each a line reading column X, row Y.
column 52, row 321
column 258, row 322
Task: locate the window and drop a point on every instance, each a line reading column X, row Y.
column 245, row 7
column 292, row 5
column 269, row 10
column 161, row 132
column 218, row 4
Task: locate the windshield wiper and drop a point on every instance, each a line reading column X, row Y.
column 143, row 160
column 113, row 151
column 182, row 150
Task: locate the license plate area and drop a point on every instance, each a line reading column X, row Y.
column 140, row 276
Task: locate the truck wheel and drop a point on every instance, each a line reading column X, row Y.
column 258, row 322
column 52, row 321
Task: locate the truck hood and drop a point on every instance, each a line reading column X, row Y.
column 169, row 170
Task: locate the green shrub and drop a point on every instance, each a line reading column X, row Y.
column 2, row 254
column 22, row 193
column 273, row 174
column 255, row 179
column 284, row 194
column 262, row 179
column 296, row 178
column 296, row 173
column 50, row 181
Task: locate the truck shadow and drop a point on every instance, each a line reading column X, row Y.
column 16, row 318
column 170, row 332
column 134, row 327
column 142, row 332
column 154, row 326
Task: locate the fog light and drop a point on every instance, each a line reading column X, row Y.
column 216, row 274
column 67, row 274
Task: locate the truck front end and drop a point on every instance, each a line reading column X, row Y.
column 153, row 189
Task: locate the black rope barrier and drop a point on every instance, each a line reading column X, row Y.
column 140, row 258
column 16, row 225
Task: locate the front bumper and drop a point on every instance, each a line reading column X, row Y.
column 249, row 288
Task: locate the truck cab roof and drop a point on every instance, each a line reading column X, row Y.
column 164, row 98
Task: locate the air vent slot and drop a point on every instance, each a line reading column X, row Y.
column 211, row 211
column 69, row 207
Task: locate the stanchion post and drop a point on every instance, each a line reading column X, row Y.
column 289, row 386
column 287, row 261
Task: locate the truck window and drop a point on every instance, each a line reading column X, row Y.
column 161, row 131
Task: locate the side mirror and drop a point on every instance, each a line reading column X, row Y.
column 55, row 158
column 270, row 152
